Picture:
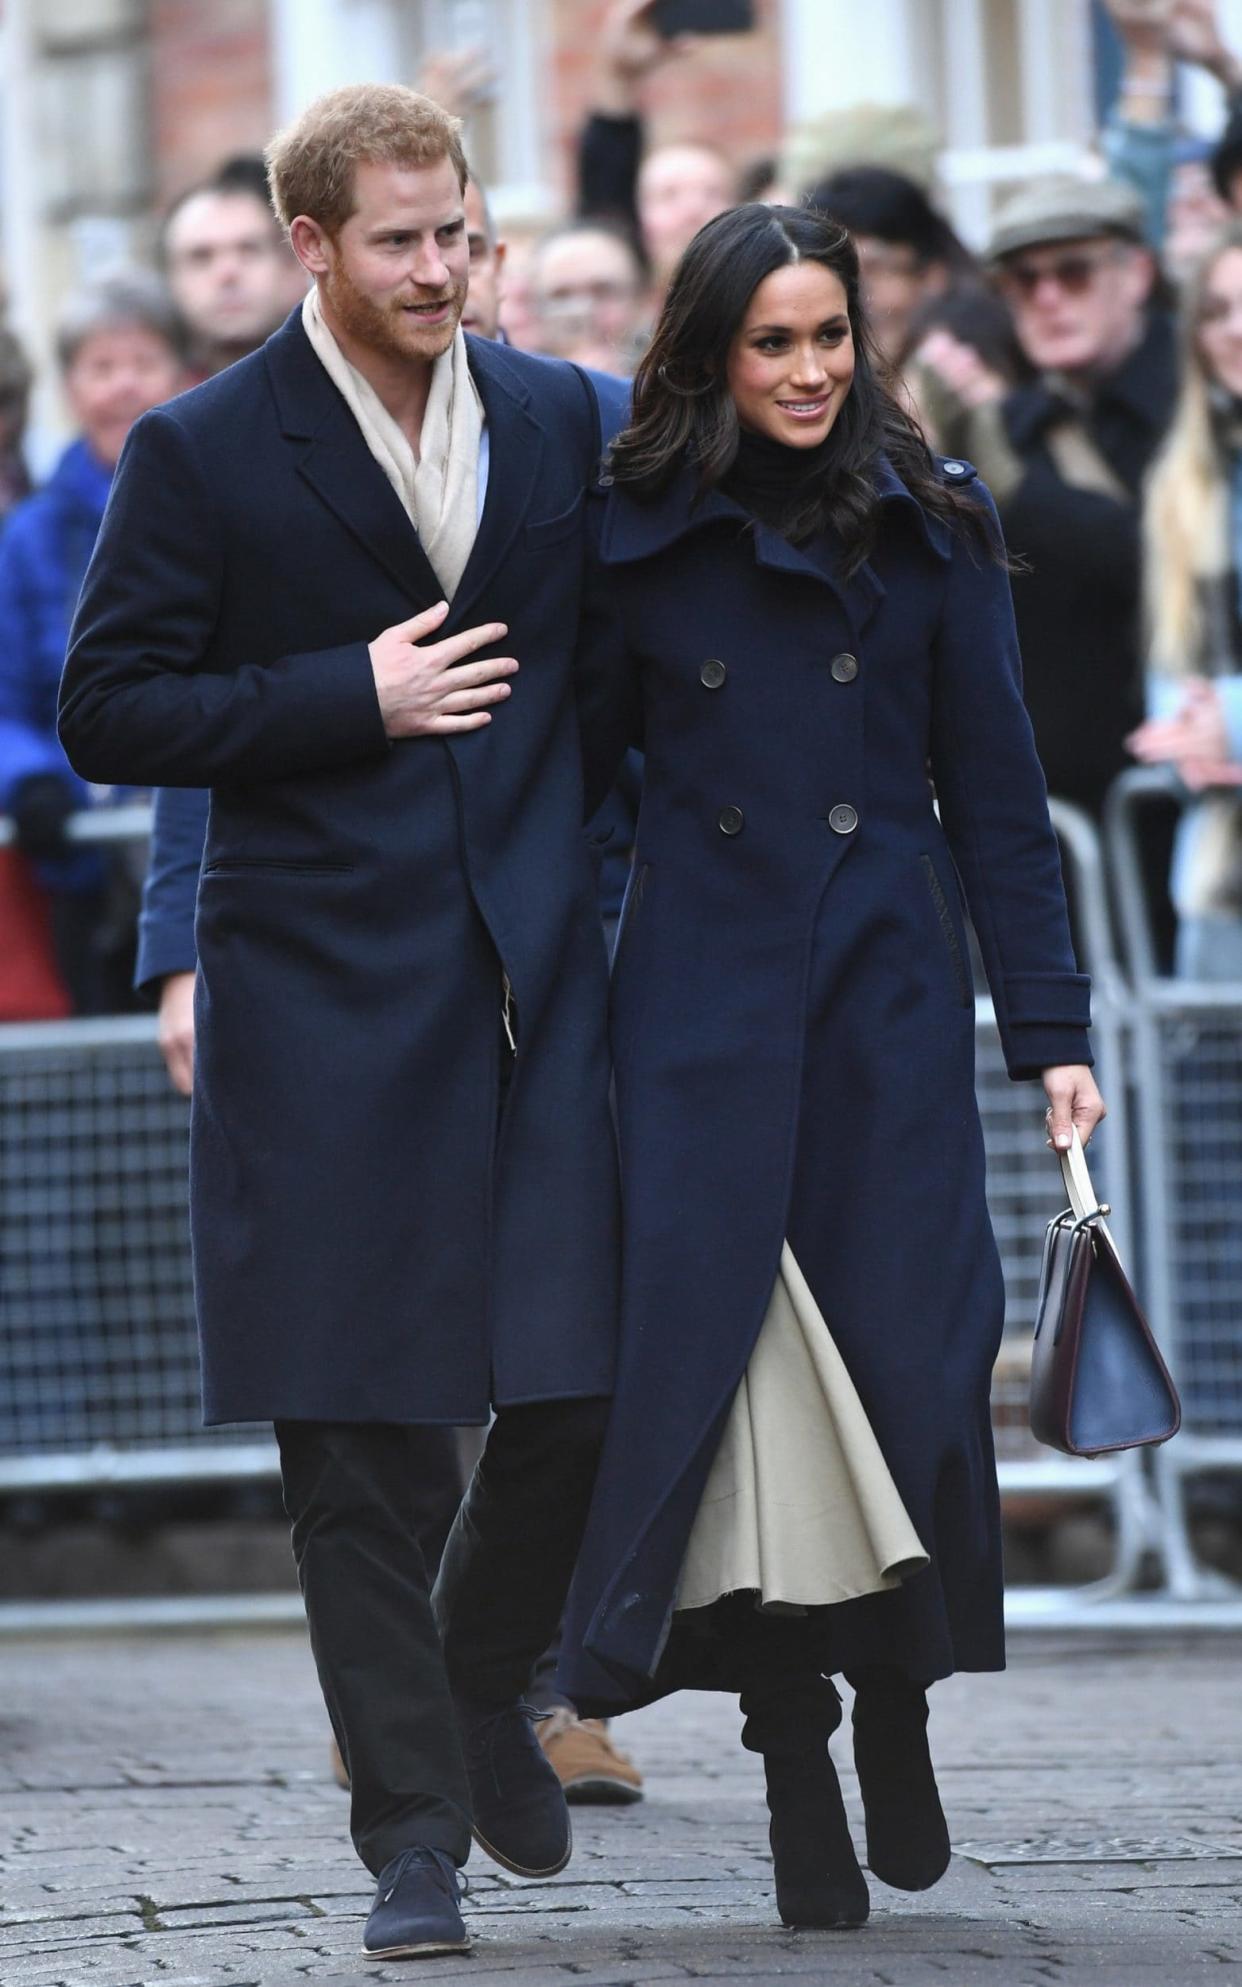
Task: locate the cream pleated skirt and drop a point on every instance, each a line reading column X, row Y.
column 800, row 1508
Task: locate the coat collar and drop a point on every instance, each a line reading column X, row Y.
column 636, row 530
column 334, row 459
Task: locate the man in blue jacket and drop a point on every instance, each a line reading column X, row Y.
column 119, row 346
column 316, row 579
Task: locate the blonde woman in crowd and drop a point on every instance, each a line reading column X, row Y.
column 1193, row 553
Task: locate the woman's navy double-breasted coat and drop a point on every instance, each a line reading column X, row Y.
column 367, row 1245
column 793, row 1033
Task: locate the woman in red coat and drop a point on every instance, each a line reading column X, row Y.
column 799, row 1478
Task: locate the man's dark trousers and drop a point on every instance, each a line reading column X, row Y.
column 384, row 1666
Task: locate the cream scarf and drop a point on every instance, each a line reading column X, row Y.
column 438, row 488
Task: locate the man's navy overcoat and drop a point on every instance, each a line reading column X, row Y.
column 365, row 1246
column 793, row 1030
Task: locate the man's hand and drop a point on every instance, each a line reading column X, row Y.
column 960, row 369
column 1195, row 740
column 1143, row 25
column 1195, row 36
column 1073, row 1100
column 630, row 47
column 428, row 688
column 176, row 1030
column 460, row 80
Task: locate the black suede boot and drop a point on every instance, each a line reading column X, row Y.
column 907, row 1835
column 818, row 1881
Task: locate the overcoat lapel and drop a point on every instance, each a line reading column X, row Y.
column 334, row 460
column 636, row 530
column 515, row 452
column 859, row 592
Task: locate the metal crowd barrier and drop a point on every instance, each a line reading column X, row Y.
column 98, row 1351
column 1024, row 1192
column 98, row 1359
column 1188, row 1059
column 98, row 1354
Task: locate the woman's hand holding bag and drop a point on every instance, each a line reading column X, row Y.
column 1098, row 1381
column 1074, row 1104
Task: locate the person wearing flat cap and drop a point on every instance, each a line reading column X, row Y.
column 1065, row 455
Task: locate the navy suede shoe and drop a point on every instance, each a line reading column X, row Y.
column 520, row 1817
column 415, row 1911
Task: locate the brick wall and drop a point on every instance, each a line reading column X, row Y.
column 729, row 92
column 211, row 86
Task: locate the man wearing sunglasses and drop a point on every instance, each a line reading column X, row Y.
column 1069, row 258
column 1065, row 453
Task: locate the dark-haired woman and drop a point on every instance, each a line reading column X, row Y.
column 799, row 1479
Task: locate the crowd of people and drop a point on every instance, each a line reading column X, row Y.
column 1088, row 363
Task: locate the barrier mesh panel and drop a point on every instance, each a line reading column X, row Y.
column 97, row 1341
column 1197, row 1218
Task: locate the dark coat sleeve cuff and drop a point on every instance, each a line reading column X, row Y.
column 1045, row 1021
column 1031, row 1048
column 164, row 950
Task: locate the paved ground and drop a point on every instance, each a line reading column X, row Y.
column 167, row 1821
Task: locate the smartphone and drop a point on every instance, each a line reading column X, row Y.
column 674, row 17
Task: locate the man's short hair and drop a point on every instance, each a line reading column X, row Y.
column 874, row 200
column 242, row 172
column 312, row 162
column 242, row 177
column 125, row 300
column 591, row 224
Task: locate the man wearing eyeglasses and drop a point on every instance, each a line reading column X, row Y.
column 1066, row 454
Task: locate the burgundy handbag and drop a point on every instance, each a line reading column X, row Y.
column 1098, row 1382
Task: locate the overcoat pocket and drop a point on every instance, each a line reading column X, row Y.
column 274, row 866
column 944, row 917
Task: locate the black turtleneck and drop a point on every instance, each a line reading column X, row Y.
column 770, row 479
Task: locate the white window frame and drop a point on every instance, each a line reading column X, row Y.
column 318, row 45
column 932, row 54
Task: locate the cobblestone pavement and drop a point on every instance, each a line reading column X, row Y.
column 168, row 1821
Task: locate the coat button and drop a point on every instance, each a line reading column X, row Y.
column 712, row 674
column 729, row 820
column 845, row 668
column 843, row 820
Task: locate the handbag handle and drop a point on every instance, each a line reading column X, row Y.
column 1079, row 1191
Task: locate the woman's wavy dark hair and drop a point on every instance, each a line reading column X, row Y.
column 683, row 410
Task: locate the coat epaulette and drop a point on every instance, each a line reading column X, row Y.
column 954, row 470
